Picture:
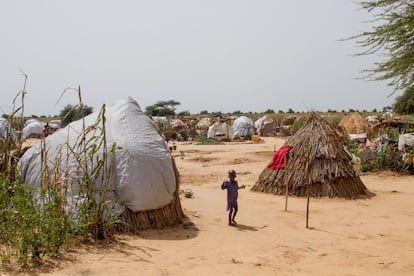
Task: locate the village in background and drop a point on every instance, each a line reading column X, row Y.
column 64, row 186
column 382, row 139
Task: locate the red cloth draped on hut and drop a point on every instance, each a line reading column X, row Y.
column 279, row 158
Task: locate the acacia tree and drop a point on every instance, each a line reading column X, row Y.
column 394, row 38
column 404, row 104
column 162, row 108
column 72, row 113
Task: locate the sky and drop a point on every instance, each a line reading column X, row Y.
column 211, row 55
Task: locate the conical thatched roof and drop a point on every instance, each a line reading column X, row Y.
column 354, row 123
column 317, row 158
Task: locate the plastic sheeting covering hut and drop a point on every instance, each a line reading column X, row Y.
column 265, row 126
column 143, row 185
column 33, row 129
column 243, row 126
column 220, row 131
column 6, row 130
column 317, row 158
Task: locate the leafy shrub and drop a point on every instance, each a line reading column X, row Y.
column 35, row 222
column 298, row 123
column 202, row 139
column 30, row 227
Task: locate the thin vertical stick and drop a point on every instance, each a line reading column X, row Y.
column 308, row 169
column 307, row 207
column 286, row 183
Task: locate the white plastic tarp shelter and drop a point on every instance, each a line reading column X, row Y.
column 55, row 124
column 6, row 129
column 220, row 131
column 29, row 121
column 405, row 139
column 262, row 122
column 243, row 126
column 160, row 119
column 33, row 128
column 143, row 176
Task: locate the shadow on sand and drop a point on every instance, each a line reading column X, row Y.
column 177, row 232
column 242, row 227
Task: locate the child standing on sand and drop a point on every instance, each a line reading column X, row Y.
column 232, row 187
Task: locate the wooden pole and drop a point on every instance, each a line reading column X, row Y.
column 308, row 192
column 307, row 205
column 286, row 184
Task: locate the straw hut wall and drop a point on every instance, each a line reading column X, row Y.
column 317, row 158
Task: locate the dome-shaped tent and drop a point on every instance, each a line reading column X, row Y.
column 317, row 158
column 33, row 129
column 243, row 126
column 143, row 184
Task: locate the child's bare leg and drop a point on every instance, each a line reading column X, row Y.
column 234, row 215
column 230, row 216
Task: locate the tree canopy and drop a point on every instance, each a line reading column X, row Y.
column 72, row 113
column 162, row 108
column 393, row 38
column 404, row 104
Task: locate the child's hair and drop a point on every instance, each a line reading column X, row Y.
column 232, row 172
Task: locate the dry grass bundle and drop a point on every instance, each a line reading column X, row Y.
column 317, row 158
column 165, row 216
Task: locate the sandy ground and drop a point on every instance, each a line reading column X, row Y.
column 345, row 237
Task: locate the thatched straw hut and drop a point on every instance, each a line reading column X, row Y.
column 317, row 158
column 354, row 123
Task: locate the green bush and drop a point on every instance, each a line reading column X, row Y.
column 202, row 139
column 298, row 123
column 35, row 222
column 29, row 227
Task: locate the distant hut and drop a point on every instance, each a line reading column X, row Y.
column 265, row 126
column 220, row 131
column 178, row 125
column 243, row 127
column 354, row 123
column 203, row 125
column 317, row 158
